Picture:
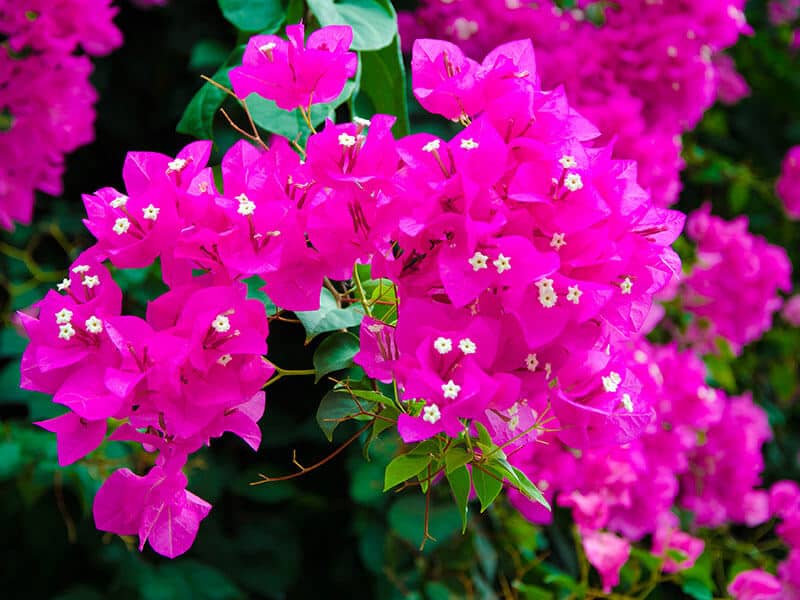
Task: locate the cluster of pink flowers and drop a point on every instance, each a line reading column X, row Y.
column 732, row 290
column 644, row 77
column 788, row 184
column 46, row 100
column 757, row 584
column 515, row 230
column 702, row 453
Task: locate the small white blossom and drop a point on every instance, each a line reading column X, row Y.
column 567, row 161
column 469, row 144
column 574, row 294
column 573, row 182
column 431, row 146
column 531, row 362
column 502, row 263
column 65, row 283
column 66, row 331
column 119, row 201
column 627, row 403
column 431, row 414
column 150, row 212
column 558, row 241
column 451, row 390
column 626, row 286
column 121, row 225
column 478, row 261
column 224, row 359
column 443, row 345
column 94, row 325
column 63, row 316
column 467, row 346
column 547, row 297
column 611, row 381
column 375, row 327
column 545, row 283
column 221, row 324
column 246, row 208
column 176, row 166
column 672, row 51
column 91, row 281
column 80, row 269
column 465, row 28
column 706, row 394
column 268, row 47
column 347, row 140
column 362, row 122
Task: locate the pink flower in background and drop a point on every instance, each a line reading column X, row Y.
column 788, row 184
column 607, row 553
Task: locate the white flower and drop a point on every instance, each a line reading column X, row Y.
column 467, row 346
column 221, row 324
column 545, row 283
column 80, row 269
column 469, row 144
column 431, row 414
column 465, row 28
column 94, row 325
column 65, row 283
column 502, row 263
column 443, row 345
column 91, row 281
column 627, row 403
column 362, row 122
column 347, row 140
column 478, row 261
column 547, row 297
column 375, row 327
column 121, row 225
column 224, row 359
column 567, row 161
column 176, row 166
column 558, row 241
column 672, row 51
column 66, row 331
column 574, row 294
column 573, row 182
column 246, row 208
column 268, row 47
column 626, row 286
column 531, row 362
column 431, row 146
column 611, row 381
column 63, row 316
column 451, row 390
column 119, row 201
column 150, row 212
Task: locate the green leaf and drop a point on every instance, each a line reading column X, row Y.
column 484, row 439
column 329, row 317
column 334, row 353
column 290, row 124
column 533, row 592
column 10, row 459
column 371, row 396
column 335, row 408
column 456, row 457
column 198, row 117
column 486, row 486
column 459, row 481
column 383, row 86
column 264, row 16
column 404, row 467
column 407, row 518
column 697, row 589
column 374, row 22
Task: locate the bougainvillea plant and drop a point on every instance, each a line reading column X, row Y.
column 482, row 293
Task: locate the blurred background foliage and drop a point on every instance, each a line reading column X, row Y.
column 334, row 533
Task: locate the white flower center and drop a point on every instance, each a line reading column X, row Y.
column 626, row 286
column 94, row 325
column 121, row 225
column 268, row 47
column 567, row 161
column 221, row 324
column 431, row 146
column 91, row 281
column 502, row 263
column 246, row 206
column 467, row 346
column 531, row 362
column 119, row 201
column 63, row 316
column 627, row 403
column 362, row 122
column 176, row 166
column 451, row 390
column 66, row 331
column 611, row 381
column 65, row 283
column 558, row 241
column 224, row 359
column 80, row 269
column 347, row 140
column 478, row 261
column 573, row 182
column 443, row 345
column 574, row 294
column 150, row 212
column 468, row 144
column 431, row 414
